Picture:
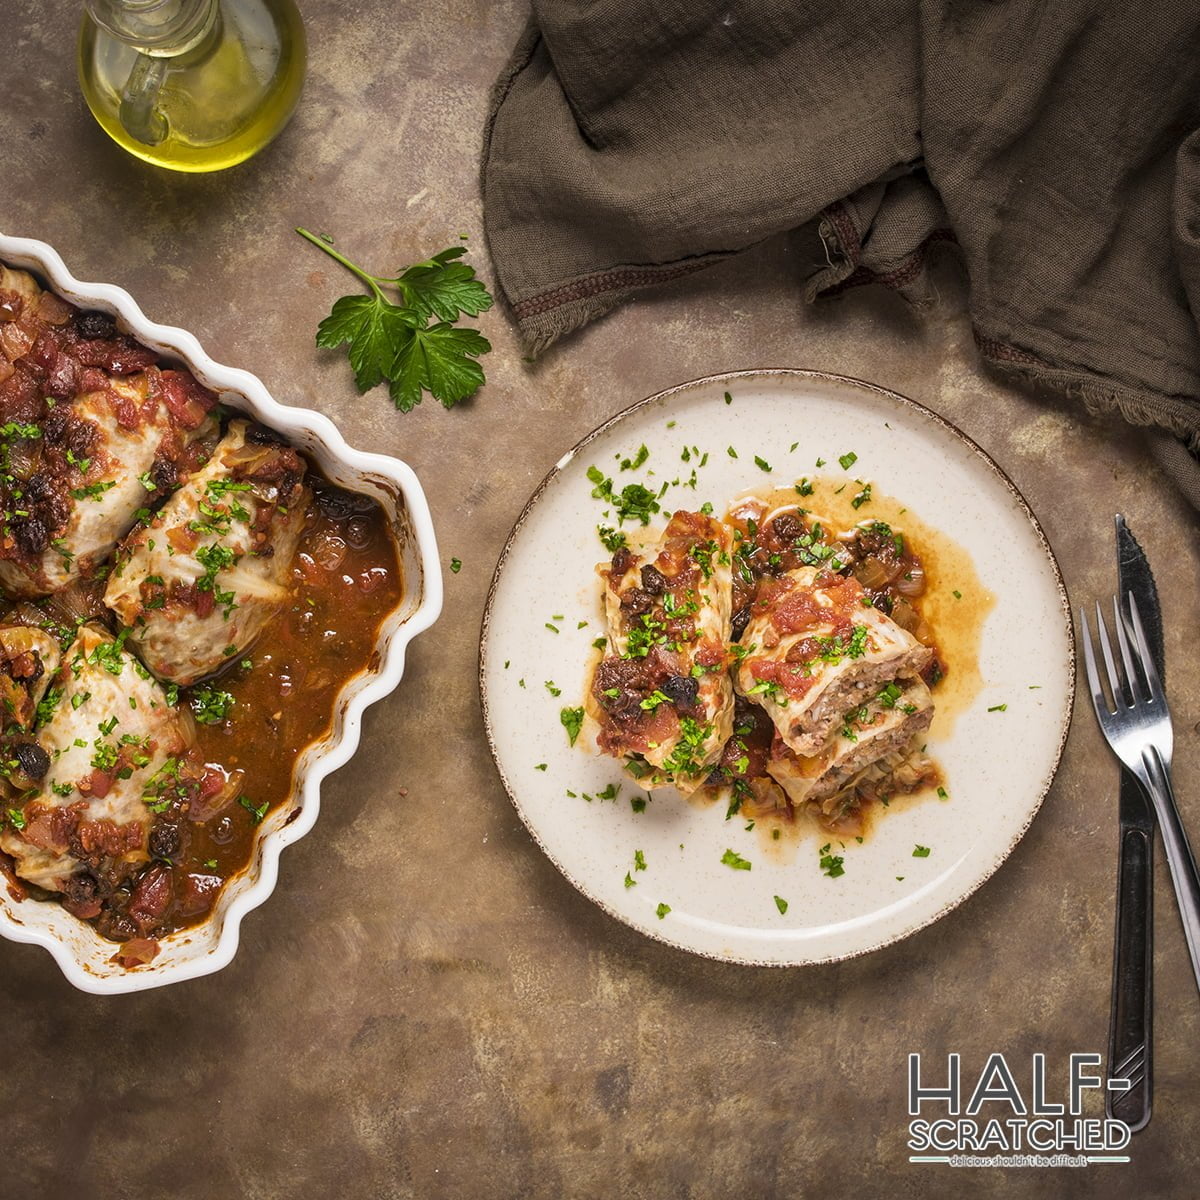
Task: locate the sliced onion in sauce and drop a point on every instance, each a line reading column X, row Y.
column 205, row 808
column 81, row 600
column 905, row 615
column 52, row 310
column 872, row 574
column 24, row 455
column 912, row 581
column 14, row 341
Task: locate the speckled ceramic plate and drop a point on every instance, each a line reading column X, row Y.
column 998, row 735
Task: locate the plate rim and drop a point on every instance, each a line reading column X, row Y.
column 794, row 373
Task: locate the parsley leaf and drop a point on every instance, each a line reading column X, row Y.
column 572, row 721
column 438, row 360
column 397, row 343
column 376, row 331
column 732, row 859
column 443, row 288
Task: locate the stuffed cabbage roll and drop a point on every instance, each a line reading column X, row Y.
column 197, row 583
column 662, row 694
column 108, row 735
column 814, row 649
column 888, row 722
column 91, row 431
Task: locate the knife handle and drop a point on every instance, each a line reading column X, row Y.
column 1131, row 1024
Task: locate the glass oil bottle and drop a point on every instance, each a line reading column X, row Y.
column 193, row 85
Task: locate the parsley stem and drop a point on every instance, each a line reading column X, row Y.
column 323, row 245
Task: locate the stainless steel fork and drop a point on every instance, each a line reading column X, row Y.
column 1138, row 729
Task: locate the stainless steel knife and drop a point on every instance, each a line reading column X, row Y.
column 1131, row 1019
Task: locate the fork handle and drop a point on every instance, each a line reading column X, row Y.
column 1129, row 1045
column 1179, row 853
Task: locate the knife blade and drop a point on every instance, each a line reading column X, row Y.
column 1131, row 1021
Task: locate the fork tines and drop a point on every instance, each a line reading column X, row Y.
column 1138, row 683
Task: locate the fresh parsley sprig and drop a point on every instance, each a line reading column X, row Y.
column 414, row 345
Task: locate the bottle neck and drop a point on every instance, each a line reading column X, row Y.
column 159, row 28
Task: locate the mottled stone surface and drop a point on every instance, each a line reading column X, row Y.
column 425, row 1007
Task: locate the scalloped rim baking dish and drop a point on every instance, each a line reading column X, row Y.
column 81, row 953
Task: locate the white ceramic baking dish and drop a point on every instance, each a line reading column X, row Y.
column 81, row 953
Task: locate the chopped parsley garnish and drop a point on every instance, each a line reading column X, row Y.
column 613, row 539
column 146, row 482
column 920, row 852
column 731, row 452
column 770, row 689
column 211, row 706
column 998, row 708
column 781, row 904
column 943, row 794
column 728, row 398
column 47, row 705
column 16, row 818
column 734, row 860
column 639, row 861
column 257, row 812
column 572, row 721
column 862, row 497
column 93, row 491
column 105, row 757
column 540, row 766
column 847, row 460
column 662, row 910
column 634, row 500
column 632, row 464
column 831, row 864
column 761, row 463
column 653, row 700
column 956, row 594
column 456, row 565
column 213, row 558
column 804, row 488
column 682, row 760
column 629, row 880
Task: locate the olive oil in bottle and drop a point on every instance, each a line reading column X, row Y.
column 194, row 85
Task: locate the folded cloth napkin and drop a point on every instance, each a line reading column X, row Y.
column 1057, row 146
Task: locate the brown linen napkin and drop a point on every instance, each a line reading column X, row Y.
column 1056, row 145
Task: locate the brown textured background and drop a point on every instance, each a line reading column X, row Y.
column 425, row 1008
